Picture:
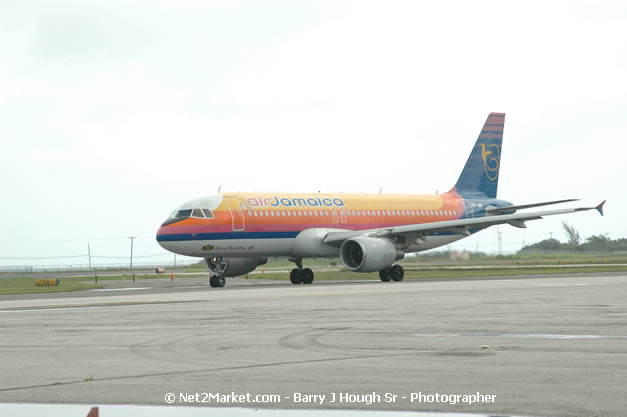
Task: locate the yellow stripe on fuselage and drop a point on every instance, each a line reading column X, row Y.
column 281, row 201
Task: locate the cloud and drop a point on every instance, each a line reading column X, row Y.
column 135, row 107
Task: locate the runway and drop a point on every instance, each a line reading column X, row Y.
column 555, row 346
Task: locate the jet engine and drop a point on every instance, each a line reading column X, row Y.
column 233, row 267
column 368, row 254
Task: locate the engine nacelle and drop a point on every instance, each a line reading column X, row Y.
column 233, row 267
column 368, row 254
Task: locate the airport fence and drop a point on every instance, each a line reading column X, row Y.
column 95, row 267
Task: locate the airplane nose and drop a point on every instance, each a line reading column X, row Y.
column 160, row 234
column 164, row 240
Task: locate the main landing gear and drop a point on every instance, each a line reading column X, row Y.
column 394, row 273
column 217, row 281
column 300, row 275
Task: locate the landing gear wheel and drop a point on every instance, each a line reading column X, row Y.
column 307, row 276
column 217, row 281
column 384, row 274
column 397, row 273
column 296, row 276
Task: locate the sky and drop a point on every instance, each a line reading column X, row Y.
column 113, row 113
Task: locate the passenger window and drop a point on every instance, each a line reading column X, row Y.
column 255, row 213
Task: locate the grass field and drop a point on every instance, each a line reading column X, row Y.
column 413, row 270
column 444, row 261
column 450, row 273
column 23, row 285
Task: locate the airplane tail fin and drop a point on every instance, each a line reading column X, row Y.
column 480, row 176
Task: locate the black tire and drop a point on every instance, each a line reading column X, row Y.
column 397, row 273
column 307, row 276
column 384, row 274
column 213, row 281
column 217, row 281
column 221, row 281
column 296, row 276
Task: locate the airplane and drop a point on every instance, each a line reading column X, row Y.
column 236, row 232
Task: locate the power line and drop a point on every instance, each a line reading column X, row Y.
column 134, row 256
column 80, row 256
column 43, row 257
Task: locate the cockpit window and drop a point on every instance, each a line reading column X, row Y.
column 178, row 215
column 183, row 213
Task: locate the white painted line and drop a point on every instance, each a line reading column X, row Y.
column 522, row 336
column 562, row 285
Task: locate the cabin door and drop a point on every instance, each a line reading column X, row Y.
column 237, row 215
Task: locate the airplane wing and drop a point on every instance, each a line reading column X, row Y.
column 418, row 232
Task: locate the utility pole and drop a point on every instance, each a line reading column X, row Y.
column 132, row 239
column 607, row 239
column 89, row 255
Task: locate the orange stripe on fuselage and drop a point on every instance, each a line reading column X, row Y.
column 347, row 211
column 275, row 207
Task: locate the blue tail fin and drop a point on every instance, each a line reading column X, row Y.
column 480, row 177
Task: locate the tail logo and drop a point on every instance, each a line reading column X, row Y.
column 490, row 160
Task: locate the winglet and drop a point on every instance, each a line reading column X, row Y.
column 600, row 207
